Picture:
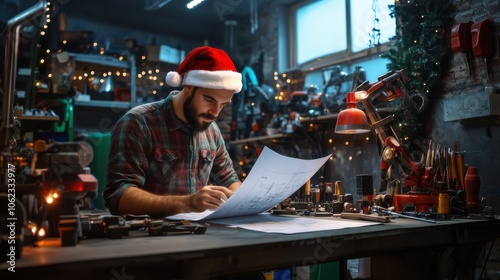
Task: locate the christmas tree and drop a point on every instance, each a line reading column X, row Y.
column 420, row 49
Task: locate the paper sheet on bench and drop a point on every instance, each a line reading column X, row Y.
column 273, row 178
column 284, row 224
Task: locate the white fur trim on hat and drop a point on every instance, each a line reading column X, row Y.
column 173, row 79
column 223, row 79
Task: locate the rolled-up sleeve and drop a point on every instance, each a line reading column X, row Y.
column 128, row 161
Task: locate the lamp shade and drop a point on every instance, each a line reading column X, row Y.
column 352, row 120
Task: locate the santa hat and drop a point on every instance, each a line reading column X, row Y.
column 206, row 67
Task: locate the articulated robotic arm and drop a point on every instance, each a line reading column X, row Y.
column 394, row 84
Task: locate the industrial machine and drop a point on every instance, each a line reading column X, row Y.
column 42, row 182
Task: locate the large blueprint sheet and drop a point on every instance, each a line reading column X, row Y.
column 273, row 178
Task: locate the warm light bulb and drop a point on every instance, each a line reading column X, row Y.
column 360, row 95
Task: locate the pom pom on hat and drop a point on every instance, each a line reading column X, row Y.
column 173, row 78
column 206, row 67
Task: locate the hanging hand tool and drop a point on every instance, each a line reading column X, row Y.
column 461, row 41
column 482, row 42
column 459, row 160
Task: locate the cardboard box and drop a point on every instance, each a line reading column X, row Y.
column 164, row 53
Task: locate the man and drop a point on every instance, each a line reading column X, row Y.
column 169, row 157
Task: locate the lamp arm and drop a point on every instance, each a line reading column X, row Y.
column 394, row 84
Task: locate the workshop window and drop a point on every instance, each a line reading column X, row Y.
column 320, row 29
column 327, row 32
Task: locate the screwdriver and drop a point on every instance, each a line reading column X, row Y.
column 386, row 211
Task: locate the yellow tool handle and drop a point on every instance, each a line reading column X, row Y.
column 459, row 160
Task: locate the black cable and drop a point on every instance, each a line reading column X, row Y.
column 486, row 260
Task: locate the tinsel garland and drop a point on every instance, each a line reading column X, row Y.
column 420, row 49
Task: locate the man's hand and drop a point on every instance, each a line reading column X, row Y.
column 209, row 197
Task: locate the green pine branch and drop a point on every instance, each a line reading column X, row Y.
column 421, row 49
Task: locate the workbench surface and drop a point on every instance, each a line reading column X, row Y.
column 225, row 251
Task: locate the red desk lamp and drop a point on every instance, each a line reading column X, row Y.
column 352, row 120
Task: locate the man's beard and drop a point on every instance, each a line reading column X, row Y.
column 192, row 116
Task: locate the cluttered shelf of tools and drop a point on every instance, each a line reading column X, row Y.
column 36, row 115
column 111, row 67
column 329, row 119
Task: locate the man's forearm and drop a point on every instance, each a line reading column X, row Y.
column 136, row 201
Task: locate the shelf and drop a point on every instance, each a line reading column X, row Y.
column 35, row 115
column 103, row 104
column 100, row 60
column 260, row 138
column 332, row 118
column 472, row 106
column 38, row 118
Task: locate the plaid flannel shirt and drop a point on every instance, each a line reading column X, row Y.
column 153, row 150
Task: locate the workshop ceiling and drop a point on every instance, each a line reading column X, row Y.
column 170, row 17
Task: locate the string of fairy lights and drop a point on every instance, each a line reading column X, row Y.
column 149, row 78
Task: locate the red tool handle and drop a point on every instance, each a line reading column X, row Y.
column 461, row 37
column 481, row 33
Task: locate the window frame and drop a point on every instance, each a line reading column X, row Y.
column 342, row 57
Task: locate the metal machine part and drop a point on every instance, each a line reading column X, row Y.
column 114, row 227
column 10, row 161
column 13, row 39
